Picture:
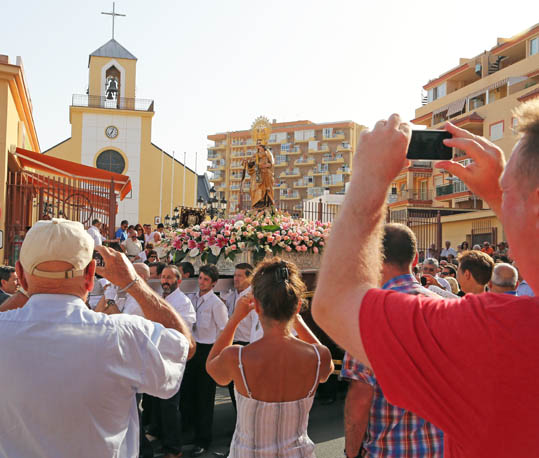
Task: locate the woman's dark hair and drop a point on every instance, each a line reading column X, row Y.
column 462, row 246
column 278, row 287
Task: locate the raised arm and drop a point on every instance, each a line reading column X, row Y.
column 352, row 261
column 119, row 271
column 222, row 358
column 482, row 176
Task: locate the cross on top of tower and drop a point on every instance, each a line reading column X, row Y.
column 113, row 14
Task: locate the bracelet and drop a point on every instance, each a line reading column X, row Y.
column 125, row 288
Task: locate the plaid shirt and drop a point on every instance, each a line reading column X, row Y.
column 393, row 431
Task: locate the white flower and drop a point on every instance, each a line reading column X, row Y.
column 194, row 252
column 241, row 245
column 215, row 250
column 185, row 248
column 239, row 224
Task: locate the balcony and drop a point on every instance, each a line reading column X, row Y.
column 235, row 177
column 319, row 171
column 216, row 166
column 234, row 187
column 321, row 149
column 294, row 151
column 121, row 103
column 447, row 191
column 337, row 159
column 212, row 155
column 344, row 147
column 344, row 170
column 335, row 136
column 280, row 185
column 217, row 177
column 290, row 174
column 303, row 184
column 289, row 195
column 236, row 165
column 411, row 196
column 304, row 161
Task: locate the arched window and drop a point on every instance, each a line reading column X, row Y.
column 111, row 160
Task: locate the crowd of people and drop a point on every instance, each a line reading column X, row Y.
column 104, row 339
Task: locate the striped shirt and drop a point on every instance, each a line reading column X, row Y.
column 393, row 431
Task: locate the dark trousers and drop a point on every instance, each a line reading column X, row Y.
column 164, row 421
column 145, row 448
column 198, row 396
column 231, row 384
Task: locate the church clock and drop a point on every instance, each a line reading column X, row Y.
column 111, row 131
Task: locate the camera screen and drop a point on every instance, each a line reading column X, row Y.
column 428, row 144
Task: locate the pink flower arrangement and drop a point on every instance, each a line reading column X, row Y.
column 261, row 232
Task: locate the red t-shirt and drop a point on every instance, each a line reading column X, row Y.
column 469, row 366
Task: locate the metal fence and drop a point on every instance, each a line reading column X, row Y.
column 31, row 196
column 312, row 211
column 426, row 225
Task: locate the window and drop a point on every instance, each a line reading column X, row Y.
column 313, row 145
column 534, row 46
column 285, row 147
column 496, row 131
column 437, row 92
column 111, row 160
column 328, row 132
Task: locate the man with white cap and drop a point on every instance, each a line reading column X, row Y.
column 58, row 357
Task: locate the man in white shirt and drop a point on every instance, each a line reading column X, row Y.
column 132, row 246
column 430, row 269
column 88, row 366
column 198, row 388
column 165, row 415
column 95, row 232
column 242, row 287
column 170, row 282
column 448, row 250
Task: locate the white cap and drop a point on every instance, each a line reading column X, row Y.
column 57, row 240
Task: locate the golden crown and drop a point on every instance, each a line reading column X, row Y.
column 261, row 130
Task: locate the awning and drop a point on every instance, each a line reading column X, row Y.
column 495, row 85
column 69, row 169
column 455, row 107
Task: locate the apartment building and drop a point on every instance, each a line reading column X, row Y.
column 309, row 158
column 478, row 95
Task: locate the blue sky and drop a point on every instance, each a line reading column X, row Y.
column 213, row 66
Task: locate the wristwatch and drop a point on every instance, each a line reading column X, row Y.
column 110, row 302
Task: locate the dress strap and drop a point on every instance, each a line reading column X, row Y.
column 317, row 371
column 240, row 365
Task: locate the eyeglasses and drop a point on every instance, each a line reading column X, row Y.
column 443, row 274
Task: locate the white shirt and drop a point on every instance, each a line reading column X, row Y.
column 96, row 235
column 132, row 247
column 524, row 289
column 183, row 305
column 211, row 317
column 84, row 368
column 447, row 251
column 131, row 307
column 243, row 331
column 444, row 283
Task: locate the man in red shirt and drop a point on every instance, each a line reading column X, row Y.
column 469, row 366
column 487, row 248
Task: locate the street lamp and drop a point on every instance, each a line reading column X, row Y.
column 167, row 220
column 176, row 218
column 214, row 206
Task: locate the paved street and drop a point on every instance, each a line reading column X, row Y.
column 325, row 427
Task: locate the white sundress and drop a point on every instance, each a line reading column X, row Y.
column 272, row 429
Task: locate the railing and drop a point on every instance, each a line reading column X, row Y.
column 421, row 164
column 451, row 188
column 412, row 194
column 121, row 103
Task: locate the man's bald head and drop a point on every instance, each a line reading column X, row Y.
column 504, row 278
column 143, row 270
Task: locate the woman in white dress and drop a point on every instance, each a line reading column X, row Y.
column 275, row 377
